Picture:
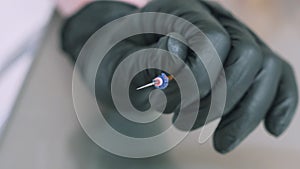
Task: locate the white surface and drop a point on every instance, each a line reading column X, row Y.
column 10, row 85
column 19, row 20
column 20, row 31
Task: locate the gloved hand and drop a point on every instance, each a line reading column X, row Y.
column 272, row 96
column 73, row 40
column 260, row 85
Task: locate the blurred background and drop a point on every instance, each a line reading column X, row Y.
column 38, row 125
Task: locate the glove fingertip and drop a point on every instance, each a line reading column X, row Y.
column 276, row 130
column 280, row 117
column 277, row 125
column 225, row 144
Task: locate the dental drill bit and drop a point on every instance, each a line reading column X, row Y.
column 160, row 82
column 145, row 86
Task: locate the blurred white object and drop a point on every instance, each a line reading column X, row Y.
column 68, row 7
column 21, row 30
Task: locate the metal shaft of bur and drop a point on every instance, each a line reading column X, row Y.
column 147, row 85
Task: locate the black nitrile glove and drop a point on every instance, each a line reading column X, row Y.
column 272, row 96
column 73, row 42
column 260, row 85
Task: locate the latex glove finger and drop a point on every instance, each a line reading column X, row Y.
column 286, row 101
column 198, row 15
column 285, row 104
column 244, row 59
column 241, row 66
column 238, row 124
